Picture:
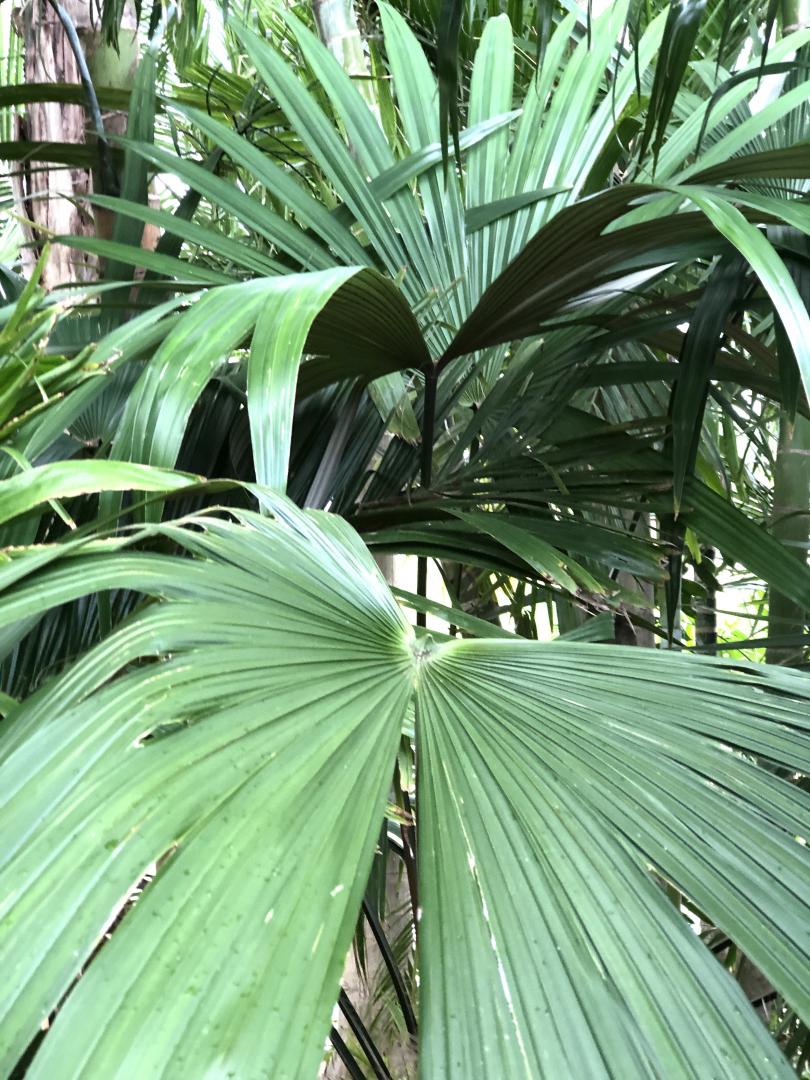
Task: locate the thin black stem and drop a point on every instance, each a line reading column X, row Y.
column 421, row 587
column 393, row 970
column 408, row 852
column 426, row 471
column 345, row 1055
column 364, row 1039
column 109, row 183
column 410, row 832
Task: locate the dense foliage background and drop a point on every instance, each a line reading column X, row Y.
column 405, row 477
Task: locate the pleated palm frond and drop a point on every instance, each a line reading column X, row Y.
column 527, row 248
column 239, row 732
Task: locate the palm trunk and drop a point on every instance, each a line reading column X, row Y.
column 706, row 613
column 794, row 14
column 791, row 493
column 791, row 524
column 628, row 627
column 337, row 26
column 48, row 195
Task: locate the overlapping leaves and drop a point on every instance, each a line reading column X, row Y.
column 271, row 665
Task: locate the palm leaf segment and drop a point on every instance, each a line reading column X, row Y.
column 420, row 230
column 240, row 731
column 275, row 666
column 466, row 289
column 522, row 248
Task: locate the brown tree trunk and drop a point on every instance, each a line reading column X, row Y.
column 45, row 193
column 628, row 627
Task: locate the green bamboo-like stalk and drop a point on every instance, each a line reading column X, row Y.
column 791, row 495
column 337, row 26
column 791, row 524
column 794, row 14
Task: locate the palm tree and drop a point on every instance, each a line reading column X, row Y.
column 479, row 374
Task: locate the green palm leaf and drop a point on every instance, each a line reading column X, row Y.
column 552, row 780
column 353, row 320
column 265, row 711
column 66, row 479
